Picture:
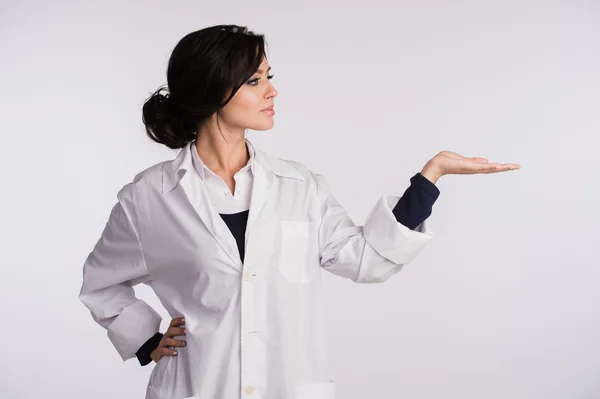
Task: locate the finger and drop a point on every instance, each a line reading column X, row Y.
column 496, row 168
column 504, row 166
column 174, row 342
column 454, row 155
column 469, row 166
column 165, row 351
column 175, row 331
column 472, row 167
column 475, row 159
column 177, row 321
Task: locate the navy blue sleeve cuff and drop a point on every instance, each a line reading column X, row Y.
column 416, row 204
column 426, row 185
column 143, row 354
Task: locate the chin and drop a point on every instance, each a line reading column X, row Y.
column 261, row 126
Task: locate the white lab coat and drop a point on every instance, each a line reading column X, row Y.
column 254, row 329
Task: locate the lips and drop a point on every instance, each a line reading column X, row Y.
column 269, row 111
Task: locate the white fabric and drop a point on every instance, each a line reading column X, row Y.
column 254, row 329
column 219, row 194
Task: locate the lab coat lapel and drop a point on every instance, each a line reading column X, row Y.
column 193, row 186
column 261, row 189
column 266, row 170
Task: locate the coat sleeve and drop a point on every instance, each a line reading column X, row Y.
column 111, row 270
column 371, row 253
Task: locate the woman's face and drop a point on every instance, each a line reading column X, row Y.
column 246, row 108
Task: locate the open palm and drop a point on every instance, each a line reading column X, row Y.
column 451, row 163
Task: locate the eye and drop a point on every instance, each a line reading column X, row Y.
column 255, row 80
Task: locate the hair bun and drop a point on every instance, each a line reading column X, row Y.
column 160, row 104
column 163, row 124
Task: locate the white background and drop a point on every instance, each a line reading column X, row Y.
column 504, row 301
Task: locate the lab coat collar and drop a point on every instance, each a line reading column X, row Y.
column 202, row 169
column 266, row 170
column 174, row 170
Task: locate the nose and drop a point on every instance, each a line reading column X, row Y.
column 271, row 91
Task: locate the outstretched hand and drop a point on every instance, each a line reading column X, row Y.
column 451, row 163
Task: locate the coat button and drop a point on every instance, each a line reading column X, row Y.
column 249, row 390
column 247, row 275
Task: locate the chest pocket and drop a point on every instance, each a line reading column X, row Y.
column 296, row 257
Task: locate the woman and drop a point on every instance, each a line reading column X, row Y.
column 233, row 240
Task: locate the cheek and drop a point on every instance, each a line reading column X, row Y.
column 244, row 106
column 245, row 99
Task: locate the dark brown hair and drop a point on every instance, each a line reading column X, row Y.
column 204, row 67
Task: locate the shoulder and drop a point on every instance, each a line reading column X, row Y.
column 315, row 181
column 147, row 180
column 301, row 168
column 290, row 168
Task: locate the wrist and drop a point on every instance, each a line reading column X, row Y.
column 431, row 172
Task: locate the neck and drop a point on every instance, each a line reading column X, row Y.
column 220, row 156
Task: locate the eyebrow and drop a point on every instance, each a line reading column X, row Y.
column 260, row 70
